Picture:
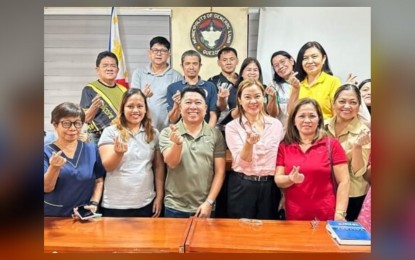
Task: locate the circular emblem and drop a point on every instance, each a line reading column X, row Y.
column 210, row 32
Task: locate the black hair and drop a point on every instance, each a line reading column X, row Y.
column 104, row 54
column 160, row 40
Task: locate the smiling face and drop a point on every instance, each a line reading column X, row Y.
column 71, row 133
column 346, row 106
column 134, row 110
column 365, row 92
column 251, row 100
column 228, row 62
column 313, row 61
column 306, row 120
column 191, row 66
column 158, row 54
column 251, row 71
column 283, row 66
column 193, row 108
column 107, row 70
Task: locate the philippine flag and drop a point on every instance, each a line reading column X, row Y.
column 115, row 46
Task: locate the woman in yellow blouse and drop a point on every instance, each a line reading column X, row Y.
column 354, row 136
column 316, row 79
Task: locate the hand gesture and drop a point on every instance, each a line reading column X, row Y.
column 295, row 176
column 270, row 90
column 223, row 92
column 96, row 102
column 351, row 79
column 175, row 135
column 57, row 160
column 176, row 97
column 252, row 138
column 147, row 91
column 364, row 138
column 294, row 82
column 120, row 147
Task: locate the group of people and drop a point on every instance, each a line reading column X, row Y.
column 301, row 143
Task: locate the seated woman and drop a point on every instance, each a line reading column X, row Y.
column 253, row 140
column 354, row 136
column 130, row 153
column 304, row 167
column 73, row 172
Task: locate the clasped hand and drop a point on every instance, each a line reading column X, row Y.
column 56, row 159
column 175, row 135
column 120, row 147
column 295, row 175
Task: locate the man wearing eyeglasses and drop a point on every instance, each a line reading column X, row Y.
column 154, row 79
column 101, row 99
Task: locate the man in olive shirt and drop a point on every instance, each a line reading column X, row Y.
column 195, row 155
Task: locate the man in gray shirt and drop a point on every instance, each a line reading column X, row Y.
column 154, row 79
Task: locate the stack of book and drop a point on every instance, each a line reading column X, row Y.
column 348, row 233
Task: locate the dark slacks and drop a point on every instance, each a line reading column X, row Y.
column 252, row 199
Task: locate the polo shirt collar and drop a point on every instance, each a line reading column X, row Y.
column 147, row 70
column 200, row 82
column 321, row 78
column 353, row 127
column 138, row 132
column 183, row 130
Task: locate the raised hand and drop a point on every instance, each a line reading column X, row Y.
column 252, row 138
column 352, row 79
column 96, row 102
column 295, row 176
column 57, row 160
column 364, row 138
column 294, row 82
column 120, row 147
column 270, row 90
column 175, row 135
column 223, row 92
column 147, row 91
column 176, row 97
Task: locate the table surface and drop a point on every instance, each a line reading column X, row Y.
column 234, row 235
column 115, row 235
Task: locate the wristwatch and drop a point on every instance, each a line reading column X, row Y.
column 93, row 203
column 341, row 213
column 211, row 202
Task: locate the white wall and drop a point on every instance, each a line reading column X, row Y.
column 344, row 32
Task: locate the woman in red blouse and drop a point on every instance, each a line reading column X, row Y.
column 303, row 167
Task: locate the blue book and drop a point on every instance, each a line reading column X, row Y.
column 348, row 232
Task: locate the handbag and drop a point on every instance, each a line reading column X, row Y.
column 333, row 178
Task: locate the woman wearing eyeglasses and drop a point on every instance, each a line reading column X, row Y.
column 283, row 66
column 73, row 172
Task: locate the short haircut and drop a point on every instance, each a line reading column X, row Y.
column 160, row 40
column 104, row 54
column 66, row 109
column 191, row 53
column 227, row 49
column 195, row 89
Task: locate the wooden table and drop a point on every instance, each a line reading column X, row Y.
column 233, row 235
column 115, row 235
